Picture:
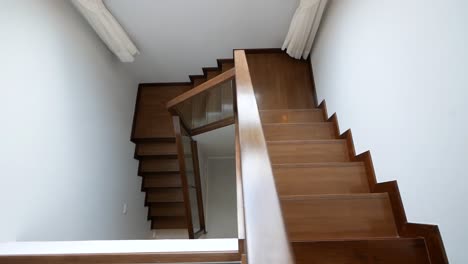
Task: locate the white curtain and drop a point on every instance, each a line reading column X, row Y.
column 303, row 28
column 107, row 27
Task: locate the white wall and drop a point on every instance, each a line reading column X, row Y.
column 216, row 151
column 66, row 107
column 221, row 203
column 396, row 72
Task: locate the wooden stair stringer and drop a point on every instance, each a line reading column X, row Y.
column 430, row 233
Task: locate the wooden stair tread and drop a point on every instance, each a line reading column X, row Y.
column 156, row 149
column 299, row 131
column 165, row 195
column 154, row 165
column 152, row 120
column 162, row 181
column 168, row 222
column 321, row 178
column 338, row 216
column 382, row 251
column 291, row 116
column 166, row 209
column 308, row 151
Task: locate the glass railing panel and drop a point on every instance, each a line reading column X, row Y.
column 195, row 211
column 190, row 174
column 208, row 107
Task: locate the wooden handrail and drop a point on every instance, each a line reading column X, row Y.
column 223, row 77
column 240, row 194
column 267, row 240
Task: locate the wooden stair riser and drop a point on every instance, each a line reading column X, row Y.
column 152, row 120
column 302, row 131
column 159, row 165
column 162, row 181
column 321, row 178
column 165, row 195
column 156, row 149
column 169, row 222
column 328, row 217
column 291, row 116
column 381, row 251
column 284, row 152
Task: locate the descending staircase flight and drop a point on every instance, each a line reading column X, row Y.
column 333, row 208
column 156, row 150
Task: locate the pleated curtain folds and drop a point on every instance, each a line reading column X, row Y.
column 108, row 28
column 303, row 28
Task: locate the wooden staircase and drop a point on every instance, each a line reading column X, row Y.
column 156, row 150
column 334, row 210
column 301, row 189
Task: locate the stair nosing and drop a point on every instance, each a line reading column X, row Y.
column 353, row 196
column 156, row 188
column 396, row 237
column 314, row 141
column 169, row 157
column 156, row 173
column 323, row 123
column 292, row 110
column 319, row 164
column 150, row 203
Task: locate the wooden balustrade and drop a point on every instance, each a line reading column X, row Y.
column 267, row 240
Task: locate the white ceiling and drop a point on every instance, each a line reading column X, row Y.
column 177, row 38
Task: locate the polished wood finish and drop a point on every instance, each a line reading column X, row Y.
column 226, row 65
column 321, row 178
column 244, row 259
column 162, row 181
column 153, row 134
column 308, row 151
column 219, row 79
column 341, row 216
column 152, row 119
column 170, row 257
column 370, row 251
column 167, row 209
column 266, row 235
column 299, row 131
column 433, row 238
column 156, row 149
column 165, row 195
column 239, row 192
column 169, row 222
column 155, row 165
column 430, row 233
column 291, row 116
column 223, row 65
column 211, row 72
column 279, row 81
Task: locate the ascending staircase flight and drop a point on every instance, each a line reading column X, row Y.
column 334, row 210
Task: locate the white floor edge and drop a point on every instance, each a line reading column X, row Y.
column 118, row 246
